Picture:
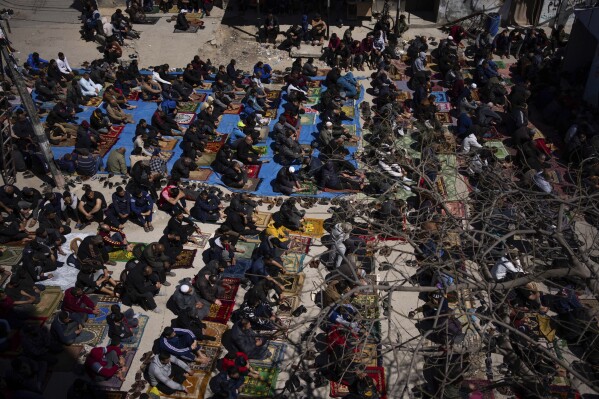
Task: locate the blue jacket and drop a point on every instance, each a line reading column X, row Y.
column 203, row 208
column 122, row 204
column 235, row 134
column 180, row 344
column 143, row 204
column 36, row 66
column 464, row 123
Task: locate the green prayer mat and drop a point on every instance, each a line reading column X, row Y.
column 293, row 262
column 122, row 255
column 367, row 305
column 261, row 149
column 10, row 255
column 498, row 147
column 261, row 388
column 247, row 247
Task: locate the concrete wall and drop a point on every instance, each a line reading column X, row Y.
column 450, row 10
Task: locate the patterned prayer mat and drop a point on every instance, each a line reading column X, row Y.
column 105, row 147
column 246, row 247
column 211, row 352
column 185, row 118
column 440, row 96
column 498, row 148
column 220, row 314
column 49, row 300
column 252, row 184
column 273, row 94
column 350, row 112
column 314, row 83
column 185, row 259
column 308, row 119
column 92, row 335
column 238, row 269
column 94, row 102
column 200, row 97
column 195, row 385
column 206, row 159
column 404, row 96
column 312, row 228
column 202, row 239
column 444, row 118
column 277, row 352
column 293, row 302
column 166, row 155
column 292, row 283
column 271, row 113
column 314, row 91
column 101, row 317
column 187, row 106
column 262, row 219
column 457, row 209
column 309, row 188
column 253, row 170
column 168, row 145
column 368, row 356
column 311, row 102
column 201, row 174
column 237, row 107
column 293, row 262
column 191, row 29
column 217, row 142
column 260, row 388
column 260, row 149
column 11, row 256
column 376, row 373
column 104, row 298
column 444, row 107
column 215, row 330
column 230, row 286
column 133, row 96
column 122, row 255
column 367, row 305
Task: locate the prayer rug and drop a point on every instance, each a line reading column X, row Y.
column 292, row 283
column 498, row 148
column 114, row 384
column 563, row 392
column 202, row 239
column 138, row 334
column 11, row 256
column 185, row 259
column 68, row 359
column 206, row 159
column 185, row 118
column 273, row 94
column 105, row 147
column 205, row 86
column 262, row 219
column 191, row 29
column 293, row 262
column 312, row 228
column 168, row 145
column 187, row 106
column 376, row 373
column 195, row 386
column 49, row 300
column 104, row 298
column 201, row 174
column 220, row 313
column 440, row 96
column 252, row 170
column 213, row 353
column 133, row 96
column 350, row 112
column 200, row 97
column 265, row 387
column 215, row 144
column 309, row 110
column 368, row 356
column 308, row 188
column 444, row 118
column 292, row 302
column 314, row 91
column 314, row 83
column 308, row 119
column 166, row 155
column 122, row 255
column 277, row 352
column 299, row 244
column 101, row 317
column 215, row 330
column 444, row 107
column 480, row 385
column 261, row 149
column 312, row 101
column 252, row 185
column 238, row 269
column 69, row 142
column 94, row 102
column 114, row 131
column 92, row 335
column 500, row 64
column 230, row 287
column 271, row 113
column 404, row 96
column 246, row 249
column 237, row 108
column 367, row 305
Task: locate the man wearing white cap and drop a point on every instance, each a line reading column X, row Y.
column 286, row 181
column 185, row 300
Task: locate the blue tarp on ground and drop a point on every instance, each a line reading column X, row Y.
column 268, row 171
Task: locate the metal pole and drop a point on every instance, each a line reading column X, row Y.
column 27, row 103
column 328, row 17
column 397, row 20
